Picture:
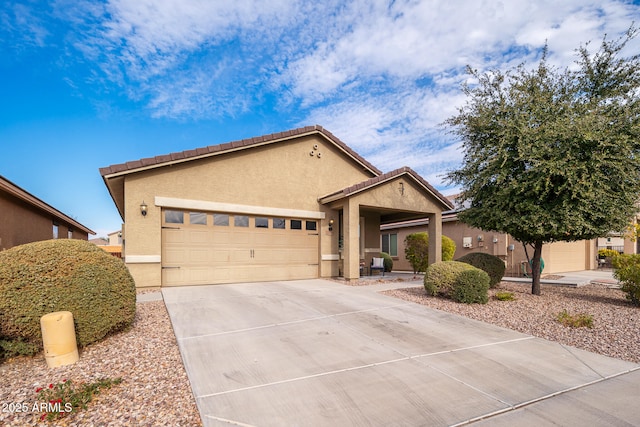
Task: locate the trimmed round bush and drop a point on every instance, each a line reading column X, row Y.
column 490, row 264
column 62, row 275
column 441, row 276
column 388, row 261
column 471, row 286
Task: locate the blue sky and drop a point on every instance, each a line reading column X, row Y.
column 87, row 84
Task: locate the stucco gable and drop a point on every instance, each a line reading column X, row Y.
column 384, row 178
column 199, row 153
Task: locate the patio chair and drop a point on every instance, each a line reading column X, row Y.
column 377, row 264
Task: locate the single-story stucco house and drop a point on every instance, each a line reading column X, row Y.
column 24, row 218
column 291, row 205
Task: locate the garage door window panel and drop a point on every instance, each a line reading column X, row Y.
column 174, row 217
column 197, row 218
column 221, row 220
column 262, row 222
column 241, row 221
column 279, row 223
column 296, row 224
column 311, row 225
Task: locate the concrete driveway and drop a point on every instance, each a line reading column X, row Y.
column 316, row 352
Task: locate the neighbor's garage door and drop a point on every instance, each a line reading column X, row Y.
column 566, row 256
column 210, row 248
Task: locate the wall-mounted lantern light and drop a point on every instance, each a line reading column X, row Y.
column 331, row 225
column 143, row 208
column 480, row 237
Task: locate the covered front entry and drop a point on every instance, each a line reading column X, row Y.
column 395, row 196
column 211, row 248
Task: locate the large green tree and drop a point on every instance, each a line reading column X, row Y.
column 552, row 154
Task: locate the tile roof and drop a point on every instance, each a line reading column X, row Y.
column 372, row 182
column 157, row 161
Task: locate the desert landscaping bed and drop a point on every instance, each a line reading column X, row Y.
column 154, row 390
column 616, row 323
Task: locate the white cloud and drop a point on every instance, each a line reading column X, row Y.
column 321, row 54
column 155, row 35
column 410, row 40
column 397, row 129
column 380, row 75
column 21, row 28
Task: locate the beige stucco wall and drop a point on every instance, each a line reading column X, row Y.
column 559, row 257
column 411, row 199
column 371, row 236
column 282, row 175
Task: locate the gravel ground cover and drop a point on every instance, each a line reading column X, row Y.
column 616, row 323
column 155, row 390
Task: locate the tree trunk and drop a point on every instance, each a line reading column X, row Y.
column 535, row 268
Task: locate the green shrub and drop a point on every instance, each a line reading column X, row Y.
column 471, row 286
column 490, row 264
column 17, row 348
column 416, row 250
column 607, row 253
column 441, row 276
column 626, row 268
column 504, row 296
column 448, row 248
column 575, row 320
column 388, row 261
column 63, row 275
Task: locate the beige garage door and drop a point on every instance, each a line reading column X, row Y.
column 566, row 256
column 210, row 248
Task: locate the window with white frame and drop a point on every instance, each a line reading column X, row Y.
column 390, row 243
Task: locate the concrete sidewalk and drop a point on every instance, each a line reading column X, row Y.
column 317, row 352
column 573, row 278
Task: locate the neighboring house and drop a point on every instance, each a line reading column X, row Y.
column 113, row 245
column 99, row 241
column 627, row 242
column 24, row 218
column 292, row 205
column 558, row 257
column 115, row 238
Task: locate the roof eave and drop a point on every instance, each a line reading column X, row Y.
column 25, row 196
column 153, row 163
column 119, row 206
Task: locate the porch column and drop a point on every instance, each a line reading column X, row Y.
column 435, row 237
column 351, row 244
